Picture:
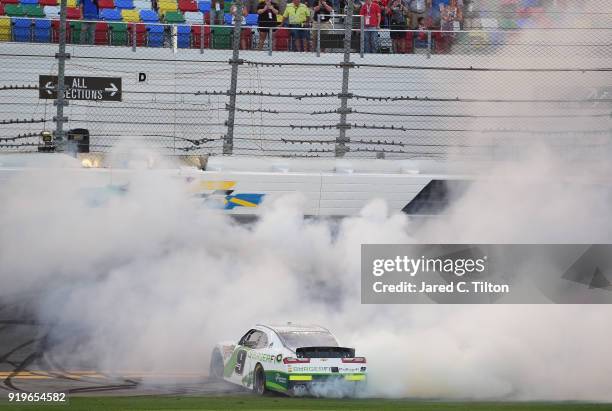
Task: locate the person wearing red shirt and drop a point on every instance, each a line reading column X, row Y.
column 371, row 18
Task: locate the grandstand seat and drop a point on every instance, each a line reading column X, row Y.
column 118, row 34
column 251, row 19
column 74, row 34
column 141, row 34
column 221, row 37
column 72, row 3
column 24, row 2
column 149, row 16
column 187, row 5
column 14, row 10
column 42, row 31
column 52, row 12
column 5, row 29
column 281, row 39
column 194, row 17
column 130, row 16
column 73, row 13
column 183, row 36
column 124, row 4
column 164, row 6
column 33, row 10
column 55, row 30
column 110, row 15
column 101, row 33
column 48, row 2
column 204, row 6
column 227, row 5
column 228, row 19
column 142, row 4
column 10, row 1
column 106, row 4
column 155, row 35
column 1, row 9
column 22, row 30
column 174, row 17
column 196, row 34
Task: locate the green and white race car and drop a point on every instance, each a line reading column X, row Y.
column 291, row 359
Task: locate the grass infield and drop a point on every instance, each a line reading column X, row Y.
column 283, row 403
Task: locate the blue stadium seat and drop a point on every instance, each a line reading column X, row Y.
column 24, row 2
column 183, row 34
column 155, row 37
column 251, row 19
column 227, row 18
column 149, row 16
column 110, row 14
column 124, row 4
column 204, row 6
column 22, row 29
column 42, row 31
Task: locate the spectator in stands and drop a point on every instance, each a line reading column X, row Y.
column 217, row 14
column 298, row 15
column 418, row 8
column 90, row 15
column 398, row 15
column 245, row 33
column 371, row 16
column 267, row 12
column 384, row 18
column 321, row 12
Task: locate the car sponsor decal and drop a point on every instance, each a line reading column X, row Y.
column 221, row 194
column 240, row 360
column 260, row 356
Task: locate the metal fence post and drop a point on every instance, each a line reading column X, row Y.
column 134, row 30
column 202, row 39
column 341, row 148
column 319, row 35
column 270, row 40
column 428, row 43
column 228, row 141
column 361, row 35
column 61, row 56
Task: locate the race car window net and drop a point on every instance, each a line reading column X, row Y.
column 296, row 339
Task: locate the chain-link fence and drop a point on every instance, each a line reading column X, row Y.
column 479, row 94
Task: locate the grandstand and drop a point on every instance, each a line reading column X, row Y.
column 151, row 23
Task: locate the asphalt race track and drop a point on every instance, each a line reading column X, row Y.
column 28, row 364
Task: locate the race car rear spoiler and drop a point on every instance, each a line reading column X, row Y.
column 325, row 352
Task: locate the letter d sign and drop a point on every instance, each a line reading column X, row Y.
column 142, row 77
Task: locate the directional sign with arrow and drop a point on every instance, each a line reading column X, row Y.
column 81, row 88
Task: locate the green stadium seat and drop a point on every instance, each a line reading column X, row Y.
column 14, row 10
column 75, row 32
column 118, row 34
column 33, row 10
column 221, row 37
column 174, row 17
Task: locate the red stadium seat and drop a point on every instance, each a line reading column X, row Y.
column 106, row 4
column 1, row 9
column 10, row 1
column 196, row 36
column 55, row 31
column 281, row 39
column 187, row 5
column 73, row 13
column 409, row 42
column 141, row 34
column 48, row 2
column 101, row 33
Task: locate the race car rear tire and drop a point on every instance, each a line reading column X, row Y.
column 259, row 380
column 216, row 365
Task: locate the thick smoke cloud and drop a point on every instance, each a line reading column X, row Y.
column 150, row 280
